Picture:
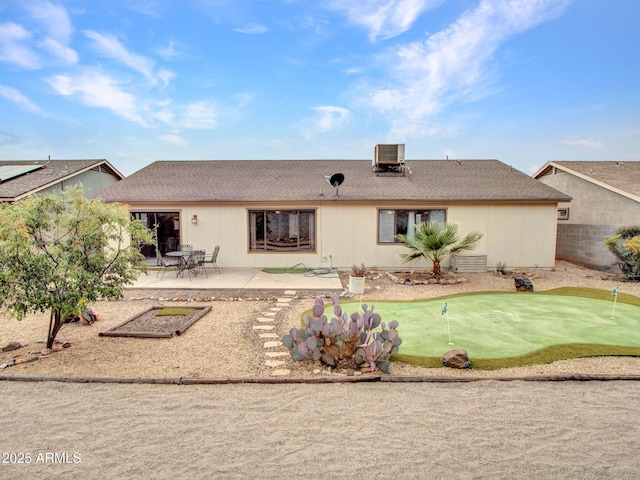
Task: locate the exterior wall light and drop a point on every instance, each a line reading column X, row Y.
column 194, row 219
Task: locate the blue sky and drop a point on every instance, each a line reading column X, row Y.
column 521, row 81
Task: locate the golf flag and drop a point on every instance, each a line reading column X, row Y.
column 444, row 309
column 615, row 297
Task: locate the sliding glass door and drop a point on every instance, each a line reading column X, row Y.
column 166, row 227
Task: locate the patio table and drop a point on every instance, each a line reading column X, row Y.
column 186, row 261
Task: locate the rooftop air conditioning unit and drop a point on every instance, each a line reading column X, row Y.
column 388, row 154
column 388, row 157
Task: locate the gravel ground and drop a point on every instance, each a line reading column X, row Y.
column 224, row 344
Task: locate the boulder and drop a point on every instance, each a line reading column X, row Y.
column 456, row 359
column 523, row 284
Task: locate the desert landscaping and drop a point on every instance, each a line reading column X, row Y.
column 224, row 343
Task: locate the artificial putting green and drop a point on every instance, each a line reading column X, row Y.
column 502, row 325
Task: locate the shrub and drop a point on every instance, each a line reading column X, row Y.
column 345, row 341
column 625, row 245
column 501, row 267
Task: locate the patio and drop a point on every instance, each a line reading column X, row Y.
column 240, row 278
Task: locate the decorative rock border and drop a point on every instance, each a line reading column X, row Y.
column 447, row 279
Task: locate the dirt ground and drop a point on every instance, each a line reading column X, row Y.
column 226, row 344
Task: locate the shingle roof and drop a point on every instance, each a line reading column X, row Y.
column 304, row 180
column 622, row 176
column 52, row 172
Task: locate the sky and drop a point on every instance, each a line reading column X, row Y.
column 135, row 81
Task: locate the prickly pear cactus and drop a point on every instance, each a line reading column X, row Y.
column 362, row 339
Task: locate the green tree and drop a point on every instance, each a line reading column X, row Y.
column 435, row 241
column 60, row 252
column 625, row 245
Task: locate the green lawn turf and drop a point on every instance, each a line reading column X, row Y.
column 285, row 270
column 507, row 329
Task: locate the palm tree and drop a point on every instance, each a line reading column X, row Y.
column 436, row 241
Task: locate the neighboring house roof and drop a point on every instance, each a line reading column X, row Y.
column 19, row 178
column 620, row 177
column 304, row 180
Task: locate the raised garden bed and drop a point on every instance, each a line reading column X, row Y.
column 158, row 322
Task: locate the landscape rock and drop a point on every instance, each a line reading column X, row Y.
column 10, row 363
column 523, row 284
column 457, row 358
column 11, row 346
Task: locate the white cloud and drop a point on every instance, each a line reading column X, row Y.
column 455, row 63
column 198, row 115
column 19, row 46
column 97, row 89
column 19, row 99
column 54, row 18
column 165, row 76
column 253, row 29
column 330, row 118
column 67, row 55
column 584, row 143
column 57, row 24
column 384, row 18
column 175, row 139
column 202, row 115
column 109, row 46
column 94, row 88
column 169, row 51
column 12, row 47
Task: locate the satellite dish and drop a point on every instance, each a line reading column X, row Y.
column 335, row 180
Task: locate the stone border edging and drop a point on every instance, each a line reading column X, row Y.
column 312, row 380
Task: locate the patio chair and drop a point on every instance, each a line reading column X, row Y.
column 197, row 262
column 186, row 248
column 164, row 264
column 212, row 260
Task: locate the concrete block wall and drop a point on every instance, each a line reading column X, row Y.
column 584, row 245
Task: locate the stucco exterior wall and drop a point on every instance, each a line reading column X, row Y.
column 518, row 234
column 591, row 203
column 594, row 213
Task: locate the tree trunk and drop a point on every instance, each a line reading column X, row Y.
column 436, row 269
column 55, row 323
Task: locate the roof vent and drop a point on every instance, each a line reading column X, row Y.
column 389, row 158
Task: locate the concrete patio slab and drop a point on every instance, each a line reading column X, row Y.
column 239, row 278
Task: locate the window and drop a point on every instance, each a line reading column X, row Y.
column 563, row 213
column 396, row 222
column 282, row 230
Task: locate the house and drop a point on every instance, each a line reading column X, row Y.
column 334, row 213
column 21, row 178
column 606, row 195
